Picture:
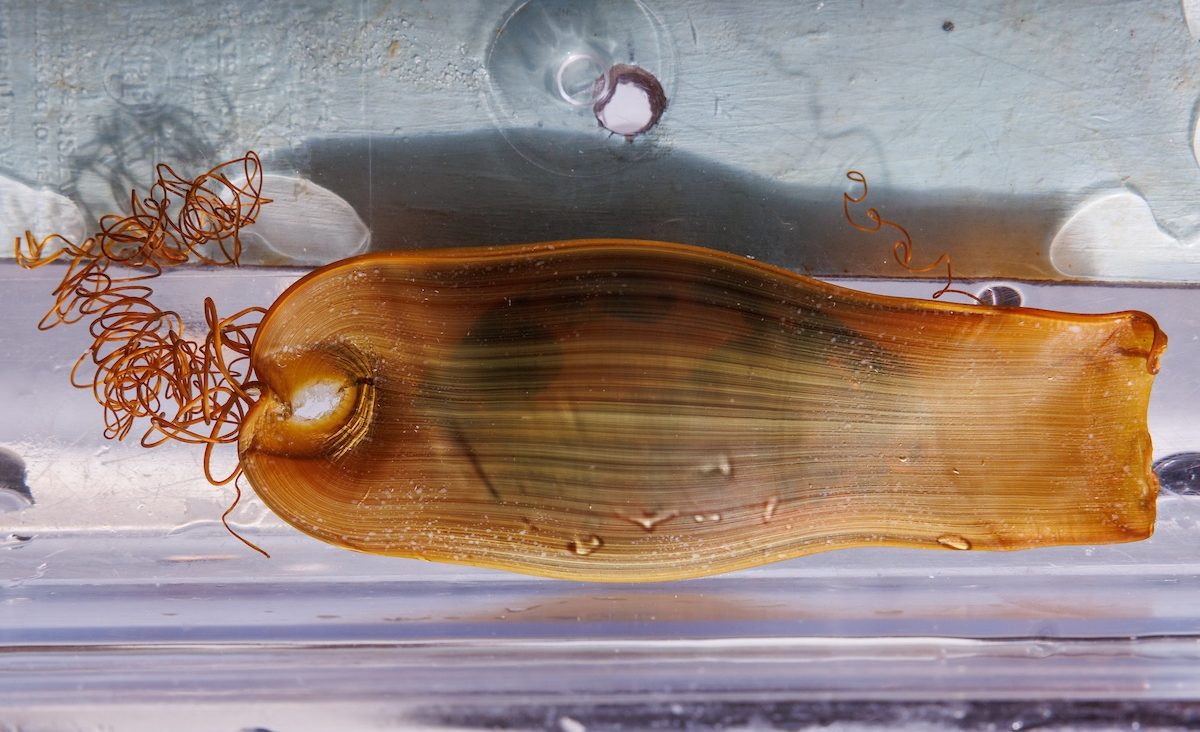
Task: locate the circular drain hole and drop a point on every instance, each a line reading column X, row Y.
column 629, row 100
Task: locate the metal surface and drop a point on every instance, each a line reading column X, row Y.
column 987, row 129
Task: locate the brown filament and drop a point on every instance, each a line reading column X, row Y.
column 140, row 363
column 237, row 497
column 902, row 248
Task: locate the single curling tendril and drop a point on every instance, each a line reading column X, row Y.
column 902, row 248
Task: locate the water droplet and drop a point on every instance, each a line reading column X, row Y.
column 954, row 541
column 769, row 509
column 649, row 520
column 721, row 464
column 702, row 517
column 584, row 547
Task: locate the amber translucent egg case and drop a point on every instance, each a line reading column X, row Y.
column 1049, row 148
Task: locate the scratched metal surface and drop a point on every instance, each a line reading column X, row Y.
column 1043, row 142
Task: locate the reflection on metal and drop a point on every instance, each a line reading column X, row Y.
column 14, row 493
column 1179, row 473
column 1002, row 295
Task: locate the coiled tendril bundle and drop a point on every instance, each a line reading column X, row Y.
column 141, row 363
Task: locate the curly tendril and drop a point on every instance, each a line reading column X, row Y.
column 902, row 248
column 140, row 364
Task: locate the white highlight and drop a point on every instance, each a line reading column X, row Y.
column 1191, row 16
column 316, row 400
column 1114, row 236
column 576, row 78
column 628, row 112
column 23, row 208
column 303, row 224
